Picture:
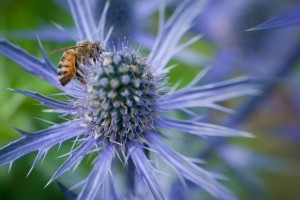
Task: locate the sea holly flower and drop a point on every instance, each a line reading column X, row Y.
column 122, row 111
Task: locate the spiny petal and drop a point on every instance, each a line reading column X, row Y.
column 23, row 132
column 208, row 95
column 37, row 159
column 170, row 34
column 98, row 175
column 231, row 83
column 46, row 100
column 288, row 18
column 75, row 157
column 187, row 56
column 48, row 33
column 109, row 189
column 101, row 25
column 83, row 19
column 32, row 64
column 140, row 190
column 187, row 169
column 146, row 171
column 40, row 67
column 39, row 141
column 200, row 128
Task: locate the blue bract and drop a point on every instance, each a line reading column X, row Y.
column 284, row 19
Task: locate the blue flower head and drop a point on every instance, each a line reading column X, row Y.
column 123, row 107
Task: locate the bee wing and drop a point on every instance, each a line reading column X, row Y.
column 67, row 48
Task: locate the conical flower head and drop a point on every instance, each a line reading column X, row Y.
column 121, row 95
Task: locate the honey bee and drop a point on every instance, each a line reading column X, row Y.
column 69, row 64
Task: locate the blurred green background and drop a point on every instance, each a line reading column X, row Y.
column 17, row 110
column 20, row 111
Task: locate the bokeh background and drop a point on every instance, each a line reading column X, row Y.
column 274, row 120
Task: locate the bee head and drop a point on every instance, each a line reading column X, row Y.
column 97, row 48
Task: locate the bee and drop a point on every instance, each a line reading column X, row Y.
column 69, row 64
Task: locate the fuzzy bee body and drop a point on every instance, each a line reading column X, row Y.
column 71, row 59
column 66, row 67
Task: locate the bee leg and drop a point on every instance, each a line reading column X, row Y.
column 80, row 76
column 79, row 73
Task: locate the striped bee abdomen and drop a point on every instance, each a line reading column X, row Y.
column 66, row 67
